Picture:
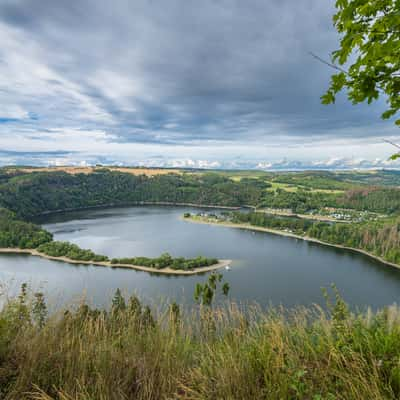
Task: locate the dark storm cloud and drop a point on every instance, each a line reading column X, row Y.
column 185, row 71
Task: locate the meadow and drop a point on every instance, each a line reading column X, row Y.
column 209, row 352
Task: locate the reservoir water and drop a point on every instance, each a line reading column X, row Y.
column 266, row 268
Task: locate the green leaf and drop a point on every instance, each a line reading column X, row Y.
column 328, row 98
column 369, row 47
column 389, row 113
column 395, row 156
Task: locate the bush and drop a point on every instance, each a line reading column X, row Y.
column 165, row 260
column 69, row 250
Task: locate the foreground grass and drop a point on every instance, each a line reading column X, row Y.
column 131, row 352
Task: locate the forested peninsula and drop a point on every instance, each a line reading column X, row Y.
column 24, row 237
column 365, row 240
column 18, row 236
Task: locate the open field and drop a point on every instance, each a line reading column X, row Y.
column 287, row 213
column 294, row 188
column 285, row 186
column 324, row 181
column 88, row 170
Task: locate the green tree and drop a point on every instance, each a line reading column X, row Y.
column 204, row 293
column 369, row 53
column 118, row 302
column 23, row 312
column 135, row 306
column 147, row 318
column 225, row 289
column 39, row 309
column 174, row 313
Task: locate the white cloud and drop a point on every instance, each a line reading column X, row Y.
column 29, row 83
column 330, row 164
column 189, row 163
column 118, row 88
column 13, row 111
column 210, row 85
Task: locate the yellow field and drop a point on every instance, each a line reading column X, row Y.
column 285, row 186
column 88, row 170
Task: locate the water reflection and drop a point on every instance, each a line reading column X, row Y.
column 266, row 268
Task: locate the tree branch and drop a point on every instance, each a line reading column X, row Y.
column 328, row 63
column 392, row 143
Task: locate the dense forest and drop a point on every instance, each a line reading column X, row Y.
column 74, row 252
column 21, row 234
column 69, row 250
column 379, row 238
column 340, row 180
column 300, row 201
column 377, row 199
column 32, row 194
column 374, row 199
column 297, row 225
column 165, row 260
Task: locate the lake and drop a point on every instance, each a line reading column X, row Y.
column 266, row 268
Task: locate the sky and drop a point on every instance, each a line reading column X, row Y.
column 179, row 83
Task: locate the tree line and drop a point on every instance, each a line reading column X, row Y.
column 381, row 238
column 15, row 233
column 32, row 194
column 166, row 260
column 21, row 234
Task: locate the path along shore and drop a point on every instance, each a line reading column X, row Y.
column 165, row 271
column 292, row 235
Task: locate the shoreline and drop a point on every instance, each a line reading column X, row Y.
column 294, row 236
column 165, row 271
column 134, row 204
column 321, row 218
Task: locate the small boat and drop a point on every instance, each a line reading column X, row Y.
column 228, row 268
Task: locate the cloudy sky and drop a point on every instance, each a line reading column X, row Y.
column 212, row 83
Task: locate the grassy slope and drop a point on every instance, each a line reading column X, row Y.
column 220, row 354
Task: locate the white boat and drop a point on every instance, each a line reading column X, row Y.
column 227, row 268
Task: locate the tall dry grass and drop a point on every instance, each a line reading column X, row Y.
column 222, row 353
